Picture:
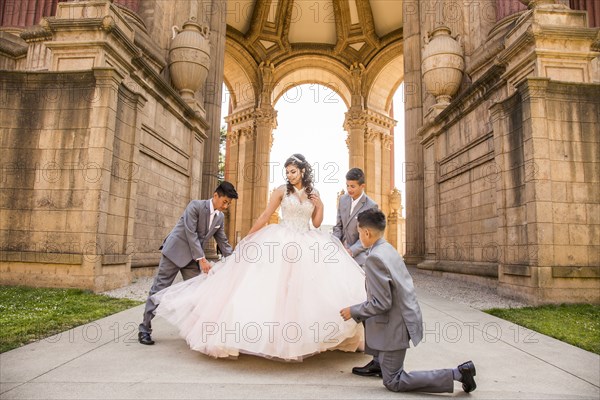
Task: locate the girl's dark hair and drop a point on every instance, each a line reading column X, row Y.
column 307, row 179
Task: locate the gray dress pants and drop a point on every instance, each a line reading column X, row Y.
column 167, row 271
column 396, row 379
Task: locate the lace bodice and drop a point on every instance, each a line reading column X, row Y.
column 295, row 214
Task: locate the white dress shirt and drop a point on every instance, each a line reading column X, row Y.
column 213, row 212
column 355, row 202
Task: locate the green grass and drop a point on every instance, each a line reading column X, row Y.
column 30, row 314
column 577, row 324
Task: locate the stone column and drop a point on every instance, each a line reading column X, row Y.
column 231, row 175
column 242, row 148
column 373, row 164
column 213, row 93
column 244, row 210
column 386, row 171
column 378, row 147
column 355, row 122
column 413, row 106
column 265, row 121
column 396, row 224
column 356, row 125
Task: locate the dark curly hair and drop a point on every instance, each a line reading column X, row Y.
column 307, row 179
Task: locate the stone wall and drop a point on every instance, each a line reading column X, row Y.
column 460, row 179
column 512, row 191
column 97, row 166
column 53, row 170
column 554, row 215
column 164, row 184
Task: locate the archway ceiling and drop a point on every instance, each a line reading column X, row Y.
column 347, row 30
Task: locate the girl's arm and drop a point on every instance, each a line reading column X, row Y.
column 274, row 202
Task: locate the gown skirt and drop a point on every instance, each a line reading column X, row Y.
column 277, row 296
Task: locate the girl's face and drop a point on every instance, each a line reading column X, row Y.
column 293, row 174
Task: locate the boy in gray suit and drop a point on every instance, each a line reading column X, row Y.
column 392, row 316
column 182, row 250
column 346, row 229
column 350, row 205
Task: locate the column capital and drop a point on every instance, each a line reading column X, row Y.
column 372, row 135
column 233, row 136
column 248, row 133
column 266, row 116
column 355, row 119
column 386, row 141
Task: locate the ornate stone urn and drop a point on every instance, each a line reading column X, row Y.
column 189, row 58
column 395, row 201
column 443, row 65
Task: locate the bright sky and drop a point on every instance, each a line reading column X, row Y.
column 310, row 121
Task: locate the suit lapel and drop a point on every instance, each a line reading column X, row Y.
column 360, row 205
column 206, row 215
column 345, row 211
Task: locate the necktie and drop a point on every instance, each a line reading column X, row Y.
column 212, row 217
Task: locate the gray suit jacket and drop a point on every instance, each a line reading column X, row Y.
column 391, row 313
column 185, row 242
column 346, row 228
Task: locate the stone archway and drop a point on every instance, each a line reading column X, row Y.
column 251, row 125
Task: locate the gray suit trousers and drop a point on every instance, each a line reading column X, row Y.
column 167, row 271
column 396, row 379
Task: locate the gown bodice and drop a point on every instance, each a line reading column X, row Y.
column 296, row 210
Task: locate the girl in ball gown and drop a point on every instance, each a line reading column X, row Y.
column 279, row 294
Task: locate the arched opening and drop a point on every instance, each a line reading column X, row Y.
column 310, row 121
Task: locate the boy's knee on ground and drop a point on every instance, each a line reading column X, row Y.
column 393, row 382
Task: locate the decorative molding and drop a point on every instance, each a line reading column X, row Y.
column 159, row 157
column 380, row 120
column 240, row 117
column 37, row 33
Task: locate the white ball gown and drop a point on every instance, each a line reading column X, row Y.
column 277, row 296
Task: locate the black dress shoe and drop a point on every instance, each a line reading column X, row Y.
column 467, row 370
column 371, row 369
column 145, row 338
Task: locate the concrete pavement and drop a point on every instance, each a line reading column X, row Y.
column 102, row 360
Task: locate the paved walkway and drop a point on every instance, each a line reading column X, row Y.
column 102, row 360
